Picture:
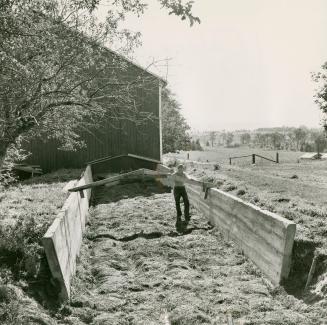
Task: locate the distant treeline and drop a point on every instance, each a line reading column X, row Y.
column 281, row 138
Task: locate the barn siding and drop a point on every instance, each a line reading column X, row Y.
column 107, row 140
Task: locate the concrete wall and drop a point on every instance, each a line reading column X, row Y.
column 265, row 237
column 63, row 239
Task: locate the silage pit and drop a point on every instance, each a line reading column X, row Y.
column 140, row 269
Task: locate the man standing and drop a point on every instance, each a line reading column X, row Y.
column 179, row 178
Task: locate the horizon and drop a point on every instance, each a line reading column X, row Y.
column 256, row 129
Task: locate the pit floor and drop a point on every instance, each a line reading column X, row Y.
column 135, row 268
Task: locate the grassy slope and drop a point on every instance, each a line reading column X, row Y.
column 222, row 155
column 26, row 210
column 134, row 269
column 298, row 191
column 40, row 197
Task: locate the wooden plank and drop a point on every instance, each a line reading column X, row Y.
column 69, row 185
column 155, row 173
column 312, row 271
column 63, row 239
column 144, row 158
column 264, row 237
column 100, row 160
column 105, row 181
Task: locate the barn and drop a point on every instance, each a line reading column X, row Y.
column 112, row 137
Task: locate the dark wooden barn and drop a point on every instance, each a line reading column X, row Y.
column 111, row 137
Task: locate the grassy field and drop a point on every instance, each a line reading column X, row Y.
column 222, row 155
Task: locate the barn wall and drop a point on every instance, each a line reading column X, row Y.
column 110, row 137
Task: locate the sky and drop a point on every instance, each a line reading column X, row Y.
column 247, row 65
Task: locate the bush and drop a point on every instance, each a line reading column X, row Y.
column 240, row 192
column 20, row 245
column 229, row 187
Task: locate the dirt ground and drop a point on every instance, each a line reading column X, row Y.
column 135, row 269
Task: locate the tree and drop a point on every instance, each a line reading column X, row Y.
column 56, row 76
column 175, row 134
column 321, row 93
column 276, row 139
column 212, row 137
column 245, row 138
column 229, row 138
column 319, row 140
column 300, row 135
column 196, row 145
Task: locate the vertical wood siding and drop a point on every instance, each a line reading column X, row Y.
column 105, row 139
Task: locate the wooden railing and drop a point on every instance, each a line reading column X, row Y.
column 253, row 158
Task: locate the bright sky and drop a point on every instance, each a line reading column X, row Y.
column 247, row 65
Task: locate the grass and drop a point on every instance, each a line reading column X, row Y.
column 27, row 209
column 222, row 155
column 295, row 190
column 135, row 269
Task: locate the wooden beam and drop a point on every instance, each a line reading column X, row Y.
column 150, row 172
column 311, row 272
column 144, row 158
column 105, row 181
column 108, row 158
column 95, row 161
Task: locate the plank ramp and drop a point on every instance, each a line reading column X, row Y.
column 63, row 239
column 264, row 237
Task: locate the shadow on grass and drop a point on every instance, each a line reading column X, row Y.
column 151, row 235
column 302, row 258
column 39, row 287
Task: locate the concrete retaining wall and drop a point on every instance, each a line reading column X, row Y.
column 265, row 237
column 63, row 239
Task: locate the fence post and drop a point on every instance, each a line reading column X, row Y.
column 253, row 158
column 277, row 157
column 230, row 160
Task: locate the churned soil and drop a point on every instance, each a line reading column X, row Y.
column 134, row 268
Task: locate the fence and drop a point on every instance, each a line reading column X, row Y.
column 253, row 158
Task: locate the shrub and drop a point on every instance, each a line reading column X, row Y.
column 20, row 245
column 229, row 187
column 240, row 192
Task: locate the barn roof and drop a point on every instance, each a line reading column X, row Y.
column 137, row 65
